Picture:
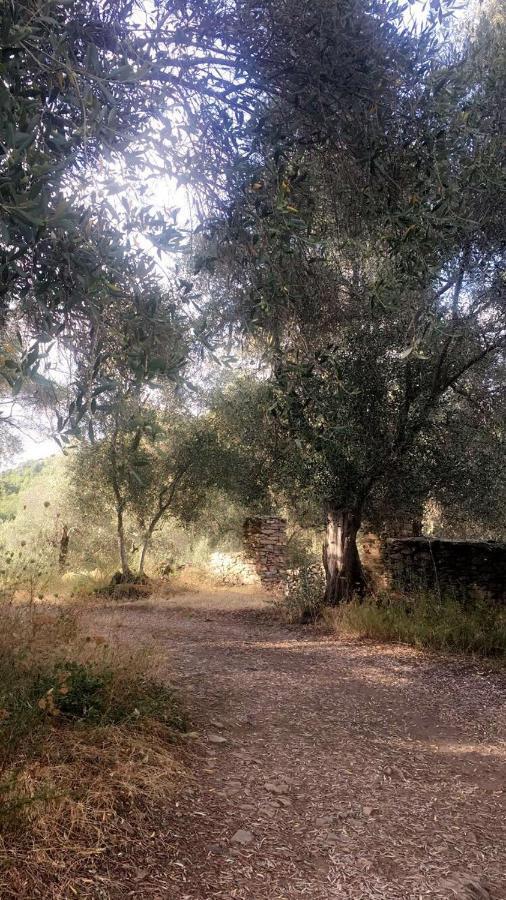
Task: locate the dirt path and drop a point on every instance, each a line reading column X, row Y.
column 324, row 769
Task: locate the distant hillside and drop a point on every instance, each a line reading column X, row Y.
column 14, row 483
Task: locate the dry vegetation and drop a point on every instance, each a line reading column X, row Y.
column 88, row 757
column 424, row 620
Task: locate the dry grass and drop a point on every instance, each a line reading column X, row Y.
column 87, row 764
column 104, row 791
column 424, row 620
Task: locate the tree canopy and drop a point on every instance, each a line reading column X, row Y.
column 347, row 173
column 377, row 290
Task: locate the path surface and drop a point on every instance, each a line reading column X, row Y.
column 323, row 769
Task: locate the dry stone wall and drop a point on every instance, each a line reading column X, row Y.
column 265, row 548
column 456, row 567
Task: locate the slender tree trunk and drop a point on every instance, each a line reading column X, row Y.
column 148, row 534
column 64, row 548
column 144, row 549
column 120, row 506
column 123, row 554
column 165, row 499
column 344, row 573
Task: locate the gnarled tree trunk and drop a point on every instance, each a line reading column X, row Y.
column 344, row 573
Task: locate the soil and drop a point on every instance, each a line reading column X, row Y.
column 320, row 768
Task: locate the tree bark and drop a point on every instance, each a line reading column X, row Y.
column 146, row 542
column 64, row 548
column 120, row 506
column 162, row 509
column 344, row 573
column 123, row 554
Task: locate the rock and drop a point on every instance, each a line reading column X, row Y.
column 330, row 840
column 276, row 788
column 341, row 814
column 269, row 810
column 215, row 849
column 368, row 810
column 242, row 837
column 233, row 786
column 216, row 739
column 216, row 724
column 322, row 821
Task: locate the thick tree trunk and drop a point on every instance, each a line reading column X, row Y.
column 343, row 568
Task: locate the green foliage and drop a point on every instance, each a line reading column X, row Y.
column 152, row 463
column 75, row 97
column 97, row 694
column 304, row 596
column 33, row 509
column 89, row 90
column 26, row 568
column 374, row 282
column 13, row 484
column 424, row 620
column 203, row 519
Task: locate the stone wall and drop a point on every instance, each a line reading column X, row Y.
column 457, row 567
column 265, row 548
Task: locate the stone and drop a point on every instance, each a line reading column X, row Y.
column 276, row 787
column 216, row 739
column 242, row 836
column 322, row 821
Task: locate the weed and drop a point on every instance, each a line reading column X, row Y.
column 303, row 601
column 52, row 683
column 425, row 620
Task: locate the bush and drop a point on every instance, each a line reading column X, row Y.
column 424, row 620
column 304, row 595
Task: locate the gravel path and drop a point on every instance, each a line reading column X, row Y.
column 322, row 769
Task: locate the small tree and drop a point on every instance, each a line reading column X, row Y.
column 148, row 464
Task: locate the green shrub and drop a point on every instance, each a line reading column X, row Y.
column 303, row 601
column 424, row 620
column 70, row 692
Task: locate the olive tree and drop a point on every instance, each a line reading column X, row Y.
column 99, row 100
column 375, row 286
column 149, row 462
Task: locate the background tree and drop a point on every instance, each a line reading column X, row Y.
column 148, row 463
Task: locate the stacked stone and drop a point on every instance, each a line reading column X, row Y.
column 458, row 568
column 265, row 546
